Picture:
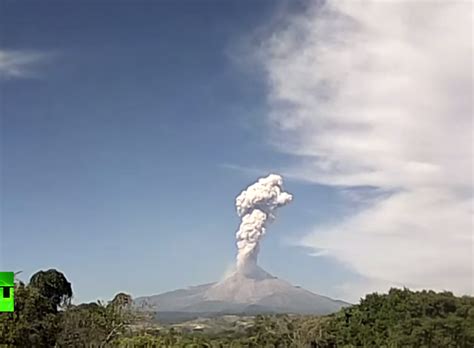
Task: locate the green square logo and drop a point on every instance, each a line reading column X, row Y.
column 6, row 291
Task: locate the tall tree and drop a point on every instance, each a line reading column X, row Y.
column 54, row 286
column 35, row 322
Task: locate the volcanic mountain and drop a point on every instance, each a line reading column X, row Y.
column 249, row 290
column 244, row 292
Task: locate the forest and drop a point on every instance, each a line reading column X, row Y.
column 44, row 316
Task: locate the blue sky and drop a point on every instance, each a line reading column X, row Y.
column 118, row 143
column 128, row 129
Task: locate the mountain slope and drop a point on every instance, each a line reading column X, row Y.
column 253, row 291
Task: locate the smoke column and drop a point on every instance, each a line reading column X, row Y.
column 256, row 207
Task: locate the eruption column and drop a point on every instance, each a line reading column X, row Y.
column 256, row 207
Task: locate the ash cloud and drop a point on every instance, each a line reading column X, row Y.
column 256, row 207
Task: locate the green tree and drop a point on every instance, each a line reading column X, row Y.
column 35, row 321
column 403, row 318
column 95, row 323
column 53, row 286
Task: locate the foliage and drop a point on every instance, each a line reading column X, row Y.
column 95, row 323
column 53, row 286
column 121, row 300
column 403, row 318
column 34, row 322
column 44, row 317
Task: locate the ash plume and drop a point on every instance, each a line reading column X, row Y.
column 256, row 207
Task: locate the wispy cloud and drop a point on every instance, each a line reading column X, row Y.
column 379, row 94
column 20, row 64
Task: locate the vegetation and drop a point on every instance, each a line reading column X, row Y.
column 403, row 318
column 35, row 322
column 45, row 317
column 95, row 324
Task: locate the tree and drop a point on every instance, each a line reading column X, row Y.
column 54, row 286
column 34, row 322
column 95, row 324
column 403, row 318
column 121, row 300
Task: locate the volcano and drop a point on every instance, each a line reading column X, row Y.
column 253, row 291
column 250, row 289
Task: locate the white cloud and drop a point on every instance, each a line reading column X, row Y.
column 16, row 64
column 373, row 93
